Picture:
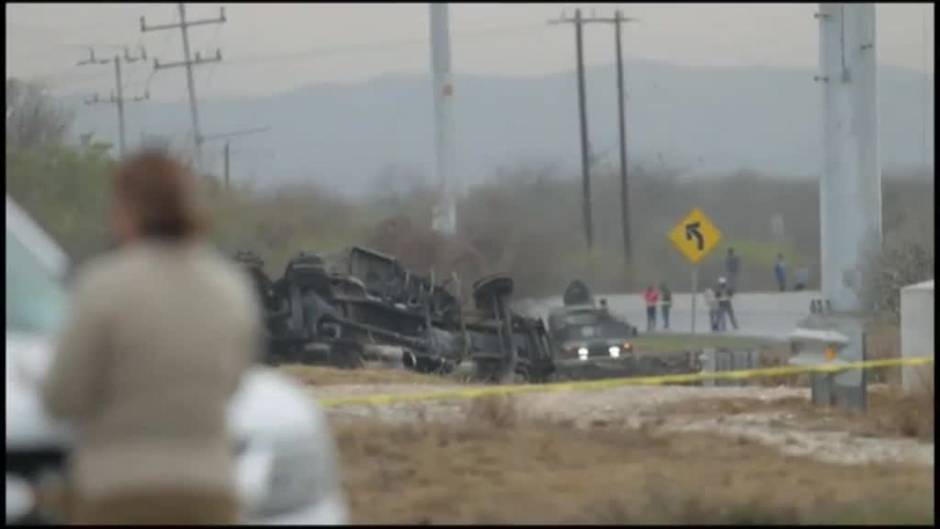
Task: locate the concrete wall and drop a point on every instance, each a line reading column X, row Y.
column 917, row 308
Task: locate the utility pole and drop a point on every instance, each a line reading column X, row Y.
column 119, row 88
column 850, row 184
column 445, row 217
column 578, row 21
column 226, row 152
column 189, row 63
column 227, row 145
column 621, row 112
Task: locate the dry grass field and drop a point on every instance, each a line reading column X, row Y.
column 496, row 466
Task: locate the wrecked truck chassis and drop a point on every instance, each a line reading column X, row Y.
column 339, row 318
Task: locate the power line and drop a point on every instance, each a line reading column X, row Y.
column 209, row 75
column 366, row 47
column 384, row 45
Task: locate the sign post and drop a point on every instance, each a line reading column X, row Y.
column 695, row 237
column 694, row 293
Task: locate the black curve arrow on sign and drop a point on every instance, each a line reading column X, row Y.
column 691, row 230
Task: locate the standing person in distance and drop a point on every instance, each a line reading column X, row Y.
column 733, row 268
column 780, row 272
column 651, row 297
column 723, row 295
column 712, row 304
column 159, row 335
column 665, row 303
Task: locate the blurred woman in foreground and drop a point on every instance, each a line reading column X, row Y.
column 160, row 333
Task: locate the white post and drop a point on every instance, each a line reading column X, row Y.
column 850, row 182
column 917, row 335
column 445, row 215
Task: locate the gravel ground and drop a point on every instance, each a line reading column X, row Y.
column 639, row 407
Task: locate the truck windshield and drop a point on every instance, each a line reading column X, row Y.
column 35, row 299
column 584, row 318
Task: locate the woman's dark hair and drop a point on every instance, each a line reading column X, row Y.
column 159, row 190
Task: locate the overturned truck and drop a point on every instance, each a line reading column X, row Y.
column 365, row 306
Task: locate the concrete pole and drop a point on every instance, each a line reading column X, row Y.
column 445, row 215
column 850, row 183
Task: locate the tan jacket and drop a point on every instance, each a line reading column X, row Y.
column 158, row 338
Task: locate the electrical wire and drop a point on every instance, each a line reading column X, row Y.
column 58, row 79
column 214, row 41
column 380, row 46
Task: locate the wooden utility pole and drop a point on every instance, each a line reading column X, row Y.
column 119, row 88
column 189, row 63
column 578, row 21
column 617, row 20
column 621, row 103
column 226, row 152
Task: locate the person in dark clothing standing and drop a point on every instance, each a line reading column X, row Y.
column 665, row 303
column 651, row 297
column 780, row 272
column 733, row 266
column 723, row 295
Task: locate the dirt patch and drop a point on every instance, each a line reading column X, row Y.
column 890, row 413
column 497, row 465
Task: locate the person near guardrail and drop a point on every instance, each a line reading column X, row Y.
column 665, row 303
column 158, row 337
column 725, row 309
column 651, row 297
column 712, row 304
column 780, row 272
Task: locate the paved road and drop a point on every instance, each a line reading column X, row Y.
column 758, row 314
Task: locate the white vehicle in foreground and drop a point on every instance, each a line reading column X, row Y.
column 287, row 466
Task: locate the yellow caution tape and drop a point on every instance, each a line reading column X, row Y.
column 476, row 392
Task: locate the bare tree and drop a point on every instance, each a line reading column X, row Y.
column 32, row 117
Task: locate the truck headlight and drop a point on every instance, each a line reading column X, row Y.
column 583, row 353
column 614, row 351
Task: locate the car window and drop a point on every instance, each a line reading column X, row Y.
column 35, row 298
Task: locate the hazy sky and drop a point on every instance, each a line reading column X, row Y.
column 276, row 47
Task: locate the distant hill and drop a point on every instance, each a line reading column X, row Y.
column 702, row 120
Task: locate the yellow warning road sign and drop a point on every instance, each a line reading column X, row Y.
column 695, row 236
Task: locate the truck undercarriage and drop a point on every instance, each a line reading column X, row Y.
column 365, row 306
